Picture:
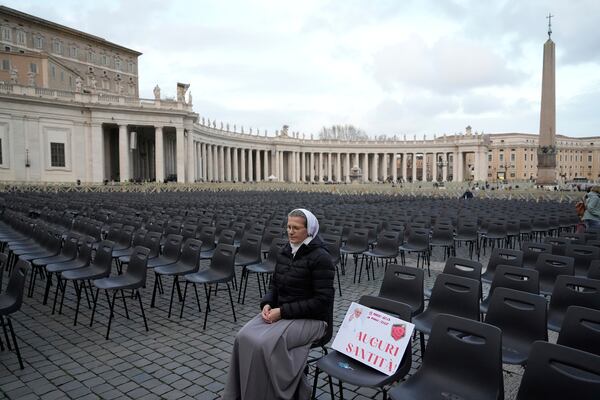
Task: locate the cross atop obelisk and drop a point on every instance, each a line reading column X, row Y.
column 546, row 173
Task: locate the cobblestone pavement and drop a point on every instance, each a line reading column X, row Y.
column 175, row 359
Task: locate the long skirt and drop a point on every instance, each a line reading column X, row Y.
column 267, row 361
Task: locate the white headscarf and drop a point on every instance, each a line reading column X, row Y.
column 312, row 227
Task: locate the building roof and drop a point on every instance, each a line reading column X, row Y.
column 65, row 29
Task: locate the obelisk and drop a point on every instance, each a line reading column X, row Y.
column 546, row 173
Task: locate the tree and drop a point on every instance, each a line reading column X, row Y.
column 342, row 132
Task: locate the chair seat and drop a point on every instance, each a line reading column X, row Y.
column 352, row 250
column 207, row 255
column 8, row 304
column 160, row 262
column 177, row 268
column 413, row 247
column 122, row 253
column 381, row 253
column 555, row 320
column 65, row 266
column 124, row 281
column 422, row 386
column 89, row 272
column 353, row 372
column 35, row 255
column 424, row 321
column 208, row 276
column 52, row 260
column 514, row 352
column 261, row 268
column 465, row 238
column 242, row 261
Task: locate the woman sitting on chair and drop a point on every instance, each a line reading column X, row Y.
column 270, row 351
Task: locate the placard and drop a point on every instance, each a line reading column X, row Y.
column 374, row 338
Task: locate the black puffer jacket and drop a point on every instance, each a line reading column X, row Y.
column 302, row 286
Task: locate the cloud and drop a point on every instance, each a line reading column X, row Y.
column 449, row 66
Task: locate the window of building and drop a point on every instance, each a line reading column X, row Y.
column 501, row 157
column 73, row 51
column 38, row 42
column 525, row 156
column 21, row 38
column 6, row 64
column 53, row 71
column 590, row 158
column 130, row 67
column 57, row 154
column 104, row 59
column 62, row 76
column 117, row 64
column 91, row 57
column 6, row 33
column 33, row 68
column 57, row 46
column 489, row 157
column 512, row 157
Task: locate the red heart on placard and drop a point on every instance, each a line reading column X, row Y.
column 398, row 331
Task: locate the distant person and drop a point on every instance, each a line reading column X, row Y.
column 467, row 195
column 591, row 216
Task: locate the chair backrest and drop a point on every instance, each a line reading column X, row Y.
column 207, row 237
column 358, row 239
column 583, row 255
column 189, row 231
column 518, row 314
column 227, row 236
column 559, row 244
column 174, row 226
column 152, row 242
column 16, row 285
column 455, row 295
column 467, row 352
column 505, row 257
column 250, row 246
column 332, row 244
column 69, row 248
column 276, row 245
column 388, row 241
column 399, row 310
column 581, row 329
column 404, row 284
column 223, row 259
column 532, row 250
column 138, row 237
column 463, row 267
column 575, row 291
column 558, row 372
column 172, row 247
column 594, row 270
column 517, row 278
column 550, row 266
column 138, row 264
column 190, row 253
column 418, row 236
column 85, row 252
column 103, row 258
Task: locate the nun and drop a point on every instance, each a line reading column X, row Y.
column 270, row 351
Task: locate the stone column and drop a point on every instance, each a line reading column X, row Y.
column 205, row 162
column 366, row 168
column 347, row 168
column 395, row 167
column 320, row 166
column 302, row 167
column 404, row 166
column 311, row 167
column 243, row 165
column 191, row 163
column 221, row 163
column 444, row 167
column 227, row 164
column 159, row 154
column 414, row 169
column 282, row 166
column 180, row 154
column 257, row 166
column 277, row 166
column 461, row 168
column 266, row 173
column 235, row 163
column 124, row 167
column 338, row 163
column 250, row 169
column 376, row 167
column 97, row 152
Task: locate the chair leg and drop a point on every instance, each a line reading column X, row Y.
column 154, row 290
column 14, row 338
column 47, row 291
column 94, row 309
column 422, row 340
column 175, row 281
column 125, row 304
column 337, row 271
column 207, row 305
column 197, row 298
column 183, row 300
column 139, row 296
column 330, row 380
column 231, row 302
column 341, row 389
column 78, row 293
column 112, row 308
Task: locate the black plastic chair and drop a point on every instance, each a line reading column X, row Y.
column 461, row 267
column 265, row 268
column 346, row 369
column 221, row 270
column 559, row 244
column 417, row 242
column 582, row 255
column 386, row 250
column 133, row 279
column 247, row 254
column 517, row 278
column 10, row 302
column 556, row 372
column 187, row 263
column 522, row 318
column 463, row 361
column 453, row 295
column 571, row 291
column 549, row 267
column 466, row 232
column 504, row 257
column 443, row 236
column 404, row 284
column 333, row 243
column 356, row 245
column 531, row 252
column 99, row 268
column 581, row 329
column 594, row 270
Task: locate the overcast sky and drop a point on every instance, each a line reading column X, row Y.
column 385, row 66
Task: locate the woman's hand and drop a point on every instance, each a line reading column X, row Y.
column 265, row 313
column 275, row 315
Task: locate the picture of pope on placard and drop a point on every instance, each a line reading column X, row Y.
column 355, row 319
